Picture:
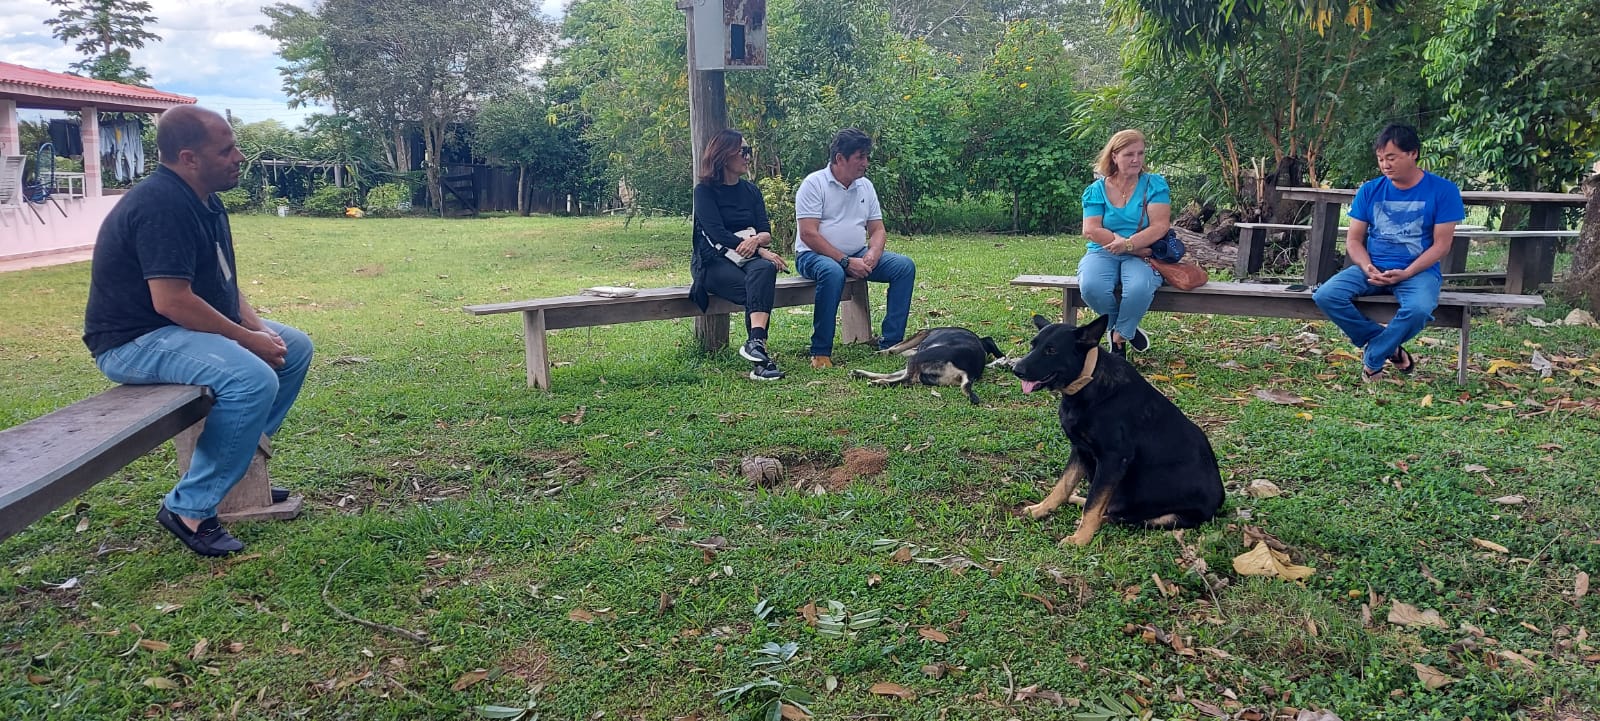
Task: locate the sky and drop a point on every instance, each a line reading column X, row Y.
column 207, row 51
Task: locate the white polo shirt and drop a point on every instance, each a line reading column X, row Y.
column 843, row 212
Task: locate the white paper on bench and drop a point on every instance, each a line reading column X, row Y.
column 611, row 291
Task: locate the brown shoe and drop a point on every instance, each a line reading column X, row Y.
column 821, row 361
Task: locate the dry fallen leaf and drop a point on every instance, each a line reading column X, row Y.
column 199, row 650
column 1515, row 500
column 1263, row 561
column 469, row 679
column 574, row 418
column 933, row 635
column 578, row 614
column 38, row 679
column 1580, row 585
column 792, row 713
column 1282, row 398
column 1496, row 365
column 150, row 644
column 934, row 670
column 1405, row 614
column 1474, row 468
column 1431, row 677
column 1518, row 659
column 884, row 688
column 161, row 682
column 1491, row 545
column 1262, row 488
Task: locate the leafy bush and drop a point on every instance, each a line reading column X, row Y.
column 236, row 200
column 328, row 201
column 389, row 200
column 980, row 213
column 779, row 197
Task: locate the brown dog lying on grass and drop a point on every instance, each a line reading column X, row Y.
column 1147, row 463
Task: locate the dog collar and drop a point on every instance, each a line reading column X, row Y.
column 1087, row 374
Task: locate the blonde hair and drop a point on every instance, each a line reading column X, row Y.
column 1105, row 165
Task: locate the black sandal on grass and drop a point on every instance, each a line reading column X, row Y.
column 1403, row 360
column 1371, row 376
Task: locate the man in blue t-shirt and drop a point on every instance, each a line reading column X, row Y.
column 165, row 307
column 1401, row 226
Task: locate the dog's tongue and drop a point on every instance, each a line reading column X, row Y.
column 1030, row 386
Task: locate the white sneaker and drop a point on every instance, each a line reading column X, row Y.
column 755, row 351
column 767, row 371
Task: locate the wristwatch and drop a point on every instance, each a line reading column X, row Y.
column 844, row 262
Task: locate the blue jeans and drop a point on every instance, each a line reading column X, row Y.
column 1418, row 296
column 895, row 269
column 1099, row 273
column 252, row 398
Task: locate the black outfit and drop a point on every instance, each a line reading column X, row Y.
column 720, row 210
column 67, row 137
column 160, row 230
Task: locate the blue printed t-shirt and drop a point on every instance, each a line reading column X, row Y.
column 1124, row 221
column 1400, row 222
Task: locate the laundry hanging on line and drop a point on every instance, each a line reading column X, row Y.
column 67, row 137
column 122, row 141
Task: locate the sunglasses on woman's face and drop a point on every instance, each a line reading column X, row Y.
column 746, row 151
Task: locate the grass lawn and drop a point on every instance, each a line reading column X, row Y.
column 597, row 543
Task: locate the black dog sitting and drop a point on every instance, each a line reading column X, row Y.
column 1147, row 463
column 939, row 357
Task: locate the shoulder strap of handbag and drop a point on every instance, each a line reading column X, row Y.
column 1144, row 205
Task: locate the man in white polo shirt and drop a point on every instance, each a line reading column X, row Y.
column 841, row 235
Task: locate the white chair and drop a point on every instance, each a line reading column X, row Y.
column 11, row 188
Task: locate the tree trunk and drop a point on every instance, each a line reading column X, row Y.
column 433, row 138
column 1582, row 287
column 522, row 190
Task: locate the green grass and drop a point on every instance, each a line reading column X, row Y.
column 453, row 500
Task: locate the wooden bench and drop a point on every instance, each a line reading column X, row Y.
column 542, row 315
column 1253, row 242
column 1530, row 257
column 52, row 459
column 1277, row 301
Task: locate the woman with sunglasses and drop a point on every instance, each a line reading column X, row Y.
column 731, row 257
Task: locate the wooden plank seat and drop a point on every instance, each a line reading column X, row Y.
column 52, row 459
column 1253, row 242
column 541, row 315
column 1277, row 301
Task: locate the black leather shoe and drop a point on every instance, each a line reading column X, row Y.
column 279, row 495
column 210, row 539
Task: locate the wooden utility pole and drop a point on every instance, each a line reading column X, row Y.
column 708, row 93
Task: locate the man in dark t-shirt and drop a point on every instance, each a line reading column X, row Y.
column 165, row 307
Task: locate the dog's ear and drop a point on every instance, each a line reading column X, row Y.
column 1091, row 334
column 1039, row 321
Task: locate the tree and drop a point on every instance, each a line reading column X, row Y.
column 106, row 31
column 429, row 62
column 1513, row 75
column 523, row 129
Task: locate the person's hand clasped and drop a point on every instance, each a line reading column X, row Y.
column 858, row 268
column 267, row 346
column 871, row 259
column 749, row 246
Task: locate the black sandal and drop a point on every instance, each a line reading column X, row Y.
column 1403, row 360
column 1371, row 376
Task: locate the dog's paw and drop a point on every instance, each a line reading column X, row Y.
column 1035, row 511
column 1077, row 539
column 1077, row 500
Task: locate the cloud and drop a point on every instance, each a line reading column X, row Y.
column 207, row 50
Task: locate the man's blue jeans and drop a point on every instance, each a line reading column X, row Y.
column 895, row 269
column 1099, row 274
column 252, row 398
column 1417, row 295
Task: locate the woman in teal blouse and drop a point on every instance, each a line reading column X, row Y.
column 1124, row 213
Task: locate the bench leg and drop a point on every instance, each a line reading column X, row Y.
column 856, row 313
column 712, row 331
column 251, row 498
column 1248, row 261
column 537, row 351
column 1461, row 352
column 1456, row 262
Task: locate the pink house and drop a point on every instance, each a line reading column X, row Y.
column 50, row 236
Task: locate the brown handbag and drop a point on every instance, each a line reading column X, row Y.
column 1180, row 275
